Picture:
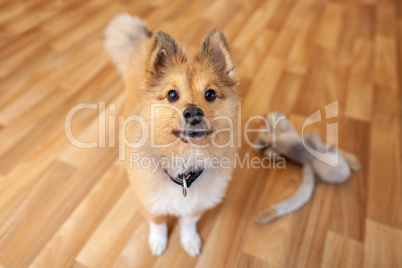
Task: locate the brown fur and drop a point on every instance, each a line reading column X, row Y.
column 159, row 65
column 166, row 68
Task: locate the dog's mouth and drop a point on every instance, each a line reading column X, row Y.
column 192, row 134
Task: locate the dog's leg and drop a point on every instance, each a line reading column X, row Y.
column 158, row 235
column 189, row 238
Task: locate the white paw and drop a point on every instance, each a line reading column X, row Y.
column 157, row 245
column 157, row 238
column 191, row 244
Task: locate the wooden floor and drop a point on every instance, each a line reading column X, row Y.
column 61, row 206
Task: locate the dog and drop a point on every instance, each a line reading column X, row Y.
column 183, row 104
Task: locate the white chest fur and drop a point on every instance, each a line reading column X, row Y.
column 206, row 192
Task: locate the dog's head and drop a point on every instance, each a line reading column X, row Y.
column 191, row 94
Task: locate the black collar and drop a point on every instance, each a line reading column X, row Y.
column 191, row 177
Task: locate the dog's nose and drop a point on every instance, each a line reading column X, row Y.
column 193, row 115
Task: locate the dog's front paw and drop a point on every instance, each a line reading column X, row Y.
column 191, row 244
column 157, row 245
column 157, row 238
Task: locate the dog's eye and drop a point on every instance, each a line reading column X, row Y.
column 210, row 95
column 173, row 95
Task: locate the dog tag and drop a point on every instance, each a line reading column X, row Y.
column 184, row 187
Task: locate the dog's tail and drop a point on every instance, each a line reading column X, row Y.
column 122, row 35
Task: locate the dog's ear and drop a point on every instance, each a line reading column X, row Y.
column 163, row 53
column 216, row 50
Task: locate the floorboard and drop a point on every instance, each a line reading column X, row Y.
column 61, row 206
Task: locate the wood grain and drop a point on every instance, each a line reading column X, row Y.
column 341, row 251
column 360, row 84
column 62, row 206
column 383, row 246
